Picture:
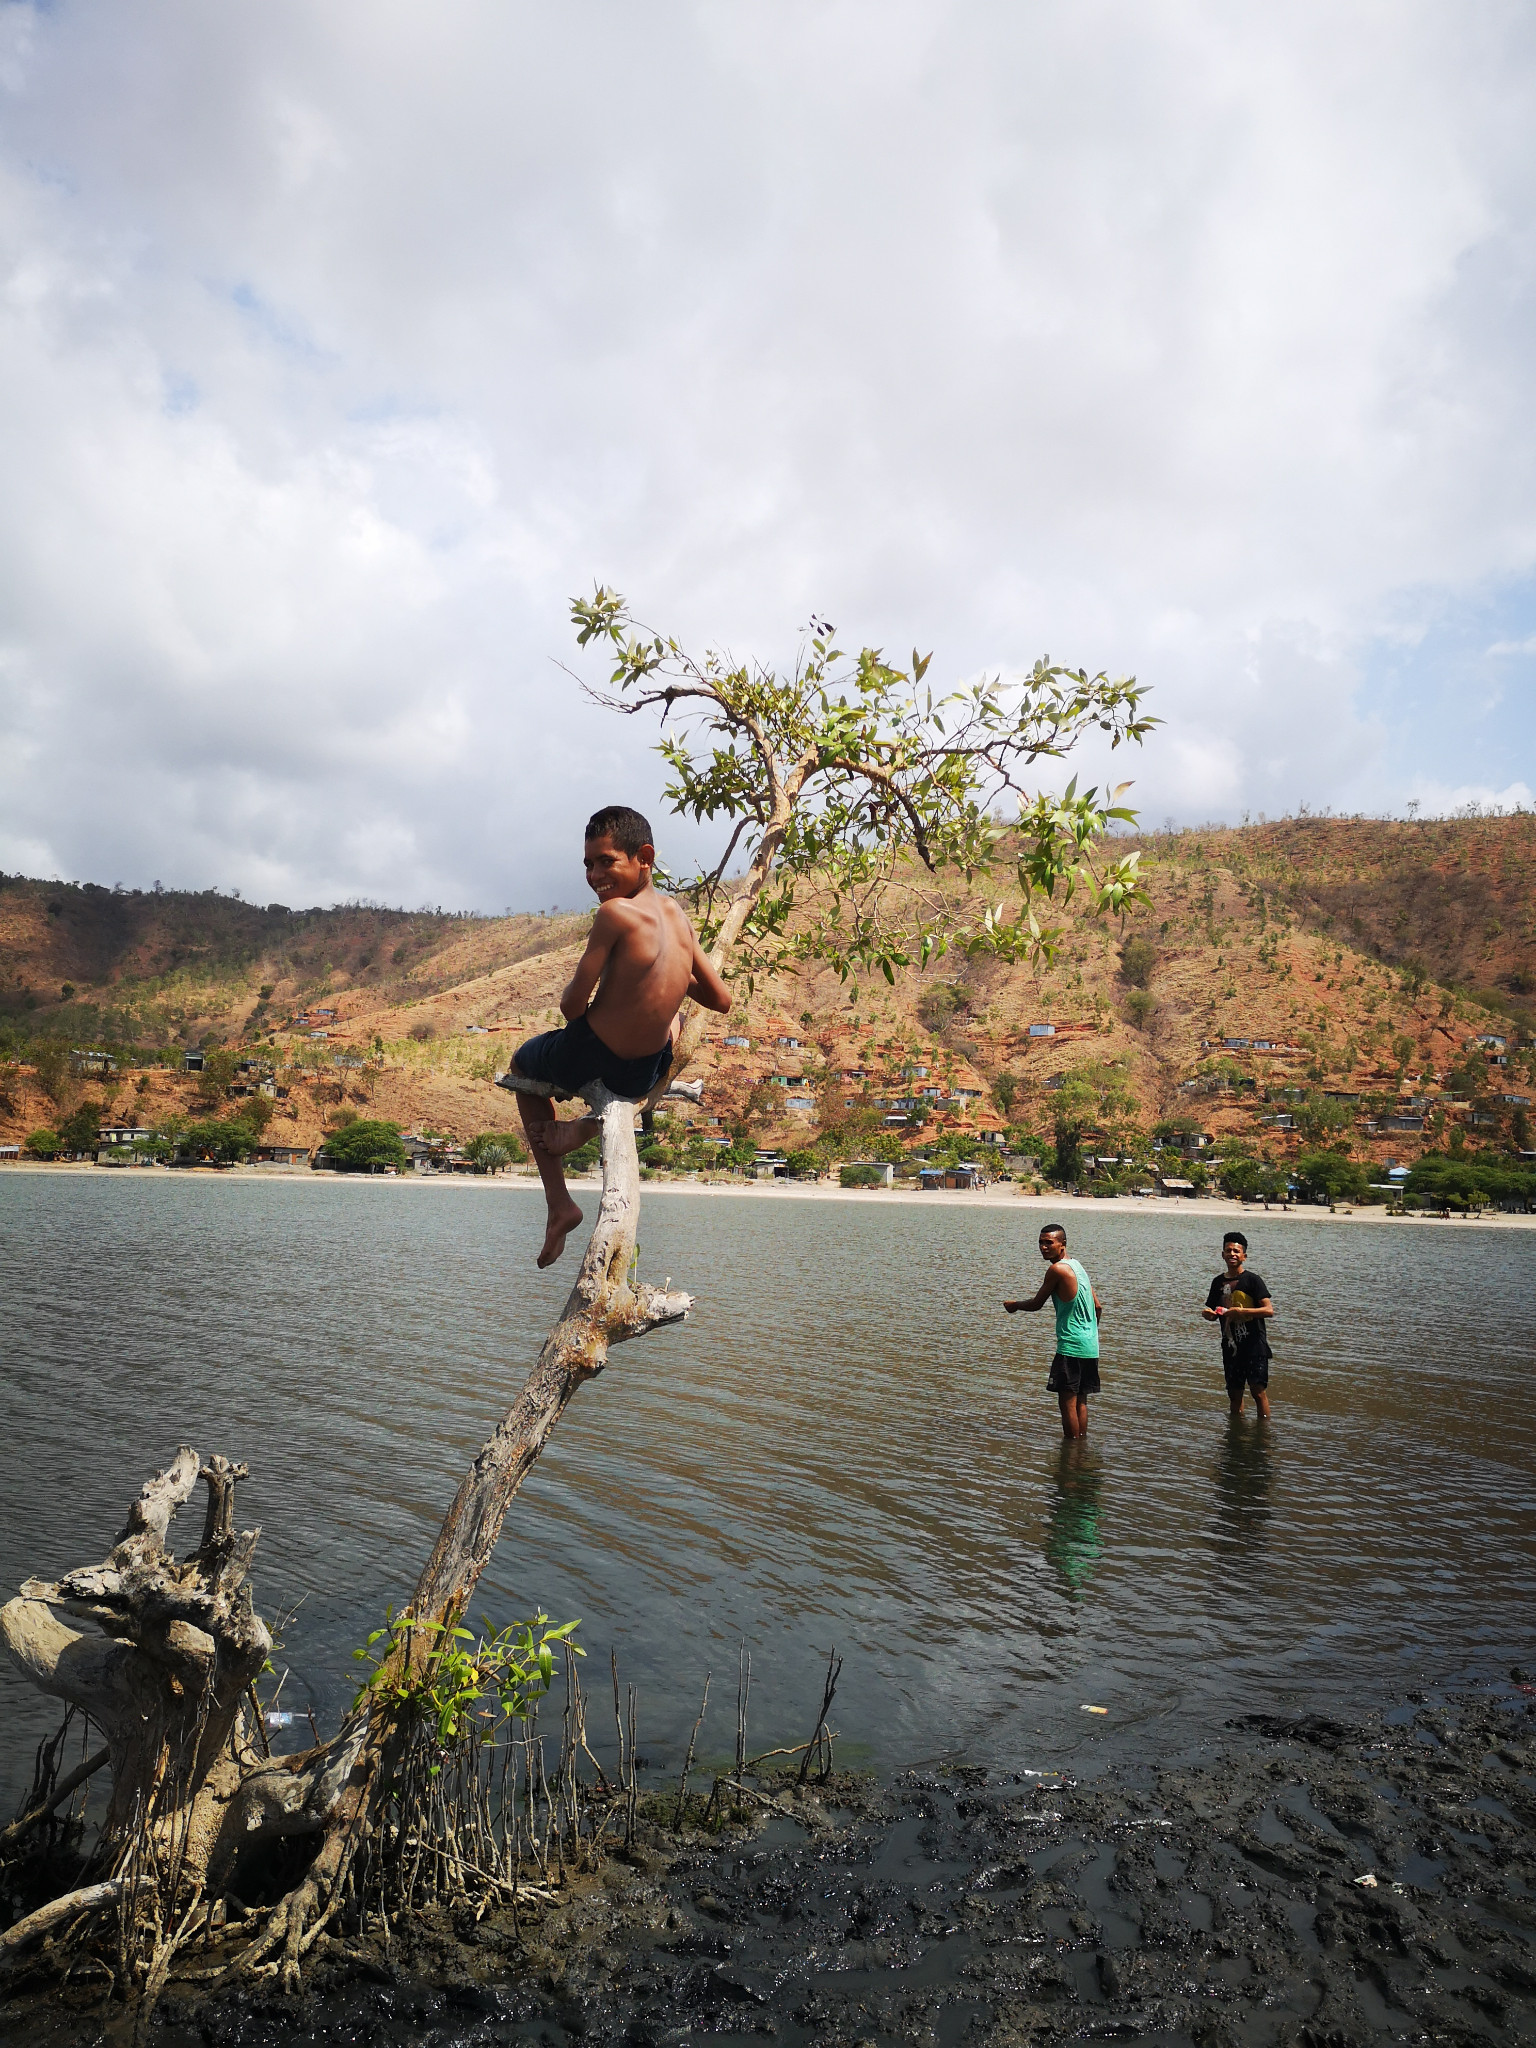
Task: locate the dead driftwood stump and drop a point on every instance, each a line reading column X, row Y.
column 161, row 1655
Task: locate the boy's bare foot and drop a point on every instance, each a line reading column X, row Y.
column 558, row 1139
column 561, row 1223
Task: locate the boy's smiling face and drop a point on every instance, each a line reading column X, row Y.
column 613, row 872
column 1235, row 1256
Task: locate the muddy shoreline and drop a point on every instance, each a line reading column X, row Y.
column 1301, row 1881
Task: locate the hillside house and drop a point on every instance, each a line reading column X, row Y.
column 738, row 1044
column 1170, row 1185
column 965, row 1175
column 1042, row 1031
column 123, row 1134
column 10, row 1151
column 282, row 1155
column 883, row 1167
column 786, row 1039
column 192, row 1063
column 88, row 1060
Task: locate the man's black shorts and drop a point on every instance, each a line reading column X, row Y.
column 1073, row 1375
column 1254, row 1375
column 568, row 1060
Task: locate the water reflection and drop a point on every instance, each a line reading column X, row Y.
column 1244, row 1485
column 1074, row 1539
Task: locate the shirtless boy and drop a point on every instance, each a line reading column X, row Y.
column 643, row 961
column 1075, row 1367
column 1239, row 1301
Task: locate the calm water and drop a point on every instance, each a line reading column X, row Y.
column 850, row 1444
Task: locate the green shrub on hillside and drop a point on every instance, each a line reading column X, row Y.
column 1251, row 1180
column 1332, row 1177
column 1138, row 957
column 492, row 1150
column 50, row 1063
column 219, row 1143
column 1468, row 1183
column 365, row 1143
column 78, row 1131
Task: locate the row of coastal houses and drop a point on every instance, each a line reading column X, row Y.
column 130, row 1145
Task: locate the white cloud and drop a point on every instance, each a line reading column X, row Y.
column 340, row 346
column 1439, row 800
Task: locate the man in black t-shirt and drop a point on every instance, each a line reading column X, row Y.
column 1239, row 1301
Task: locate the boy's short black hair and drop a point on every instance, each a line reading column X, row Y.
column 626, row 828
column 1053, row 1230
column 1235, row 1237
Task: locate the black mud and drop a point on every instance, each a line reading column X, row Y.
column 1307, row 1883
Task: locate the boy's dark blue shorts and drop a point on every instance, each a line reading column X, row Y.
column 1254, row 1375
column 568, row 1060
column 1073, row 1375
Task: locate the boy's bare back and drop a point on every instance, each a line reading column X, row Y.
column 649, row 966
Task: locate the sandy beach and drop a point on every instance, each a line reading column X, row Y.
column 1004, row 1195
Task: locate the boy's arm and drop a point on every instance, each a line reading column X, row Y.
column 577, row 993
column 1048, row 1287
column 1098, row 1309
column 705, row 985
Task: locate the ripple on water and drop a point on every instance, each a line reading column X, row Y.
column 850, row 1443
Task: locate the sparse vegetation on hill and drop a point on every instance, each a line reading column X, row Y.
column 1359, row 961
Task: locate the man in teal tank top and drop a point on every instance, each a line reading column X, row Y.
column 1075, row 1368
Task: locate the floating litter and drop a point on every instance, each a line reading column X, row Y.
column 1369, row 1880
column 1094, row 1710
column 278, row 1720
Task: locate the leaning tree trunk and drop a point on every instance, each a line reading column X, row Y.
column 168, row 1677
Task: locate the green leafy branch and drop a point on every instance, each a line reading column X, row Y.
column 867, row 810
column 494, row 1677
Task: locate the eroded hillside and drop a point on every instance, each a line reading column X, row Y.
column 1366, row 959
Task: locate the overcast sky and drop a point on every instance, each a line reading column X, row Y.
column 341, row 345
